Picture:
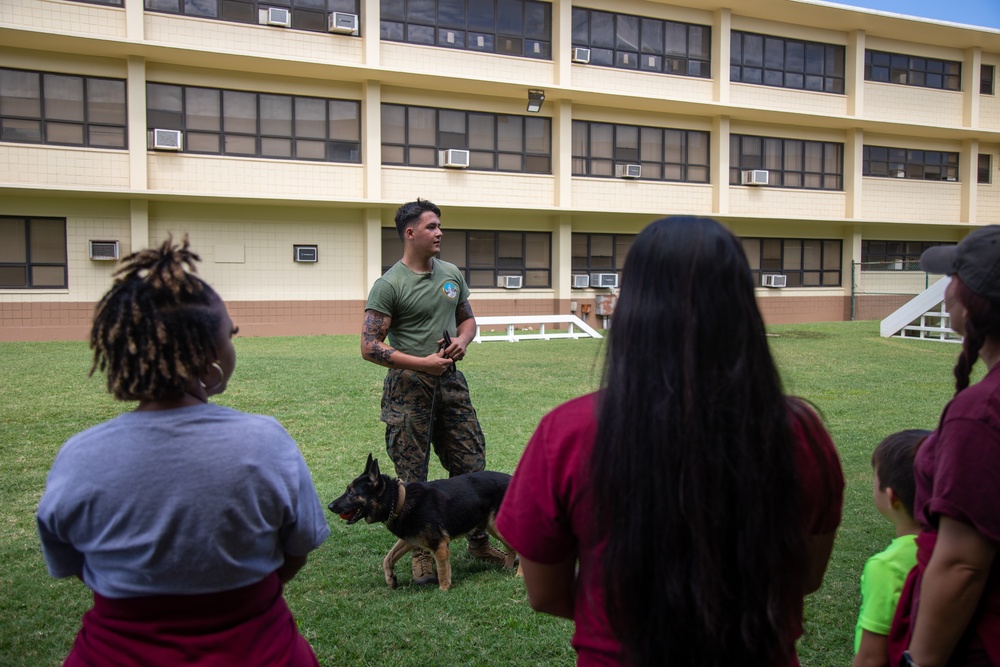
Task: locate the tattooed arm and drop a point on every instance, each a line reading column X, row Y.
column 376, row 350
column 465, row 331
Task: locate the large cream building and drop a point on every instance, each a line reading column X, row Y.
column 281, row 136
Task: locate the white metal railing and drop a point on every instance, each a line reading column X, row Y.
column 576, row 328
column 923, row 317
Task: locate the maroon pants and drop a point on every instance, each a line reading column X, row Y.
column 247, row 627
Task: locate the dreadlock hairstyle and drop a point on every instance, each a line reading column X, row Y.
column 982, row 321
column 154, row 331
column 693, row 467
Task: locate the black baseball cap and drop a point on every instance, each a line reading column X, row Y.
column 976, row 260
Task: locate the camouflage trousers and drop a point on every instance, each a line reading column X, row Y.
column 419, row 409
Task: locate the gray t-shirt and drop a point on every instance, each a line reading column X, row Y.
column 187, row 501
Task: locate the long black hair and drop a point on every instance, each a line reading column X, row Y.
column 693, row 468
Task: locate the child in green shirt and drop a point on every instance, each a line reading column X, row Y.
column 885, row 572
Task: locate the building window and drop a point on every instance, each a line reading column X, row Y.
column 912, row 70
column 600, row 253
column 903, row 163
column 32, row 253
column 484, row 257
column 511, row 27
column 308, row 15
column 663, row 155
column 804, row 262
column 893, row 255
column 987, row 74
column 644, row 44
column 111, row 3
column 786, row 63
column 984, row 175
column 235, row 122
column 46, row 108
column 414, row 136
column 790, row 163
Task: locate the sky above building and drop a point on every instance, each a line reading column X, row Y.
column 985, row 13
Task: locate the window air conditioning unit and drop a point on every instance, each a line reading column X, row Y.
column 581, row 281
column 755, row 177
column 773, row 280
column 166, row 140
column 581, row 55
column 103, row 251
column 279, row 16
column 343, row 23
column 604, row 280
column 455, row 158
column 509, row 282
column 306, row 253
column 628, row 171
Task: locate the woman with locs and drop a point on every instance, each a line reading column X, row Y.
column 185, row 518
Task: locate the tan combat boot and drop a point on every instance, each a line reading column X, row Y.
column 423, row 567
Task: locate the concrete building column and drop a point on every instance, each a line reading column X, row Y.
column 562, row 41
column 562, row 257
column 370, row 31
column 720, row 165
column 562, row 152
column 971, row 76
column 135, row 26
column 371, row 138
column 135, row 94
column 854, row 141
column 854, row 73
column 722, row 21
column 968, row 174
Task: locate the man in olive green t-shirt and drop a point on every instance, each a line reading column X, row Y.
column 425, row 398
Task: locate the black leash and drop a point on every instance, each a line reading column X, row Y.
column 434, row 399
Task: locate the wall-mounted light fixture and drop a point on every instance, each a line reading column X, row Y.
column 535, row 99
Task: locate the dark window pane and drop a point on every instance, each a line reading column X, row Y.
column 20, row 93
column 602, row 29
column 510, row 17
column 481, row 15
column 581, row 26
column 63, row 97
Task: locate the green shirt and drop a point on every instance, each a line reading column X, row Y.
column 881, row 583
column 422, row 305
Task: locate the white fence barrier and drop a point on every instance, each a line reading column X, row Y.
column 576, row 328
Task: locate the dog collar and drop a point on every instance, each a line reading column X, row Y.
column 397, row 502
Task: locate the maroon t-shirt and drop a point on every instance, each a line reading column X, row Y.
column 546, row 514
column 957, row 474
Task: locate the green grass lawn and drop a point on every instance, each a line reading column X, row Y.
column 328, row 399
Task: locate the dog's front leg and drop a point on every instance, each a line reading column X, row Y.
column 400, row 549
column 442, row 556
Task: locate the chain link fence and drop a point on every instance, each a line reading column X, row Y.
column 879, row 288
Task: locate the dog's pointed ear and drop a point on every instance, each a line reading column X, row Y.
column 373, row 473
column 368, row 466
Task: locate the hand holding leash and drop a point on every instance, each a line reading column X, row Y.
column 443, row 347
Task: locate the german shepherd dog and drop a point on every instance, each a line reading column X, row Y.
column 428, row 515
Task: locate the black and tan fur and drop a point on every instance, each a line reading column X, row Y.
column 428, row 515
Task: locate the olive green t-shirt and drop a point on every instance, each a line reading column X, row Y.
column 421, row 305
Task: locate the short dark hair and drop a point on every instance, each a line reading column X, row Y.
column 409, row 212
column 893, row 462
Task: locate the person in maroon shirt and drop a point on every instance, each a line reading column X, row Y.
column 680, row 514
column 949, row 610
